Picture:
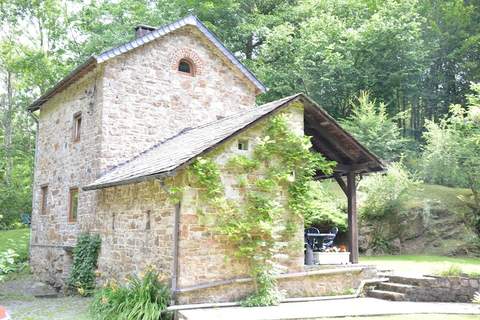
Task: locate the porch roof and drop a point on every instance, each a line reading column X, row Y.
column 176, row 152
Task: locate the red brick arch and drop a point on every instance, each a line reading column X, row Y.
column 189, row 55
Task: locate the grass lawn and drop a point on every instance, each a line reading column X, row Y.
column 419, row 264
column 17, row 240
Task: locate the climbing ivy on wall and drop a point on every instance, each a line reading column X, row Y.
column 282, row 166
column 85, row 256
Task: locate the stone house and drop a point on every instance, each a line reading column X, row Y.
column 119, row 129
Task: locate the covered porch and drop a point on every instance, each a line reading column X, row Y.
column 353, row 161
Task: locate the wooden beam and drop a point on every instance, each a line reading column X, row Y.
column 341, row 183
column 352, row 217
column 353, row 167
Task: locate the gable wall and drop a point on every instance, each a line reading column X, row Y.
column 62, row 164
column 147, row 99
column 202, row 253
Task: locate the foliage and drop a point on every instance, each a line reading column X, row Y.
column 85, row 255
column 8, row 263
column 266, row 293
column 371, row 125
column 384, row 192
column 17, row 240
column 144, row 297
column 453, row 148
column 416, row 57
column 457, row 271
column 281, row 163
column 327, row 208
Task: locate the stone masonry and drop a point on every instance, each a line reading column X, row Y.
column 128, row 104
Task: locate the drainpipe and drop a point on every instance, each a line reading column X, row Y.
column 176, row 231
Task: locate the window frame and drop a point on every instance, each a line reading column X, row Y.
column 77, row 126
column 243, row 144
column 72, row 218
column 43, row 199
column 190, row 64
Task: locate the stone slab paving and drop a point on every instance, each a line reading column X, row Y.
column 330, row 308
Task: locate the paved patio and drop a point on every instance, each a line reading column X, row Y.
column 330, row 308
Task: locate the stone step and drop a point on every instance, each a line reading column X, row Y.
column 413, row 281
column 386, row 295
column 395, row 287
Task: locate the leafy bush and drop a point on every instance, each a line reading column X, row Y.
column 452, row 152
column 457, row 271
column 85, row 255
column 326, row 209
column 142, row 298
column 10, row 262
column 384, row 192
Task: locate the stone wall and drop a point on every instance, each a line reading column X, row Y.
column 326, row 282
column 147, row 99
column 62, row 163
column 444, row 289
column 128, row 104
column 205, row 256
column 136, row 223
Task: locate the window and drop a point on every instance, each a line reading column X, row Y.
column 185, row 66
column 73, row 205
column 77, row 125
column 242, row 144
column 44, row 200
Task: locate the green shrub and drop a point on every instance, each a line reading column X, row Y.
column 85, row 255
column 327, row 209
column 384, row 192
column 142, row 298
column 266, row 293
column 457, row 271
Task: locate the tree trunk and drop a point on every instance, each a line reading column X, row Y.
column 8, row 130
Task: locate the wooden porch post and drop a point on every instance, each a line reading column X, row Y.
column 352, row 217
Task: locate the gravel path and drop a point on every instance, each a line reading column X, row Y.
column 64, row 308
column 17, row 296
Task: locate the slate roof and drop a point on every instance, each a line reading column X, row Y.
column 91, row 62
column 177, row 151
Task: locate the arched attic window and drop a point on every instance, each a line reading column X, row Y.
column 186, row 66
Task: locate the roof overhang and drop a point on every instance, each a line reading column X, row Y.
column 328, row 138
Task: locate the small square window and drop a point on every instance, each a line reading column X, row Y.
column 73, row 205
column 44, row 199
column 77, row 125
column 242, row 144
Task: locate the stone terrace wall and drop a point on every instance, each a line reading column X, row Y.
column 336, row 281
column 204, row 256
column 444, row 289
column 147, row 99
column 136, row 225
column 61, row 164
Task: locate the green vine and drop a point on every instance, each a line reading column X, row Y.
column 85, row 255
column 282, row 163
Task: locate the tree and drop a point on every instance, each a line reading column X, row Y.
column 453, row 148
column 370, row 124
